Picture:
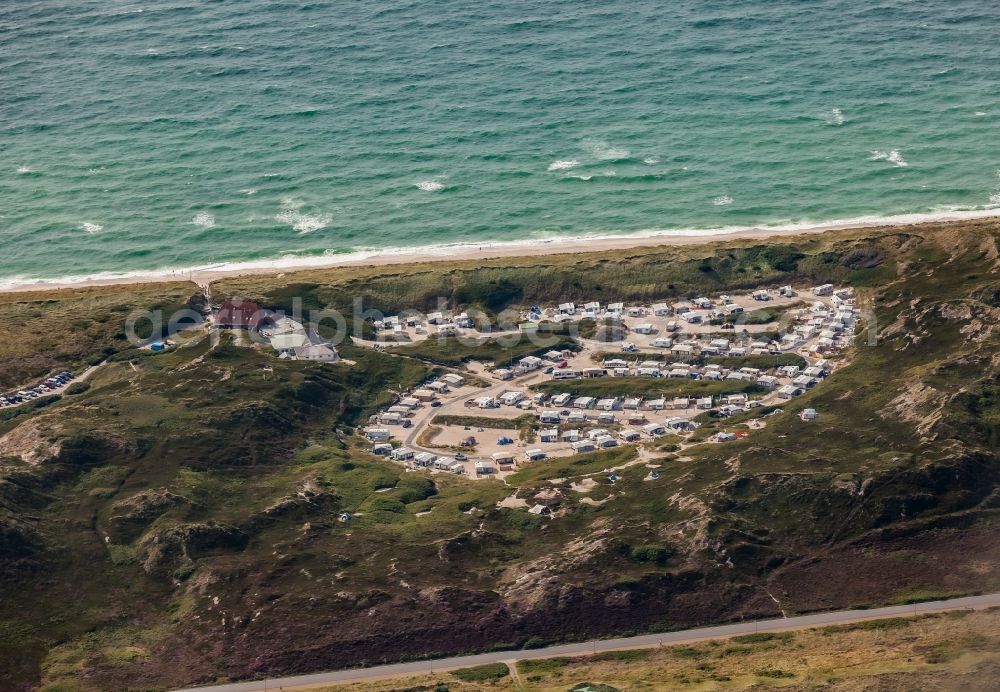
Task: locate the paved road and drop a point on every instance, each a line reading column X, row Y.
column 582, row 648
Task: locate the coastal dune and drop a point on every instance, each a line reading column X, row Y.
column 495, row 251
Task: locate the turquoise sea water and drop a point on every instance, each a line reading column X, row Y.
column 139, row 135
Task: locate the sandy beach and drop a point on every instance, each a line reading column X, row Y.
column 468, row 252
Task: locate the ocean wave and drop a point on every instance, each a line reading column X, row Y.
column 651, row 160
column 90, row 228
column 835, row 117
column 429, row 185
column 722, row 201
column 603, row 151
column 303, row 223
column 248, row 191
column 893, row 156
column 204, row 220
column 563, row 165
column 995, row 199
column 24, row 169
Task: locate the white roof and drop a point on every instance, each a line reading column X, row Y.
column 284, row 324
column 316, row 352
column 288, row 341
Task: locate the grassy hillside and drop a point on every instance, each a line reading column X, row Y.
column 180, row 521
column 69, row 329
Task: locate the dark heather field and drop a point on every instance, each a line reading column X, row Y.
column 177, row 521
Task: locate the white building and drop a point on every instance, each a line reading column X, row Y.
column 654, row 430
column 549, row 417
column 288, row 342
column 510, row 398
column 424, row 459
column 606, row 442
column 378, row 434
column 453, row 379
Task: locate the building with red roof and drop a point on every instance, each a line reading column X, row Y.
column 241, row 314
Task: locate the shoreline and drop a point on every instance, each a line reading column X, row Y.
column 205, row 274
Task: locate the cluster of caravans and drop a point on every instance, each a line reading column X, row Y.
column 400, row 412
column 550, row 362
column 588, row 423
column 404, row 455
column 395, row 327
column 806, row 377
column 693, row 311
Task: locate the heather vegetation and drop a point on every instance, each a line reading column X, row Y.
column 212, row 513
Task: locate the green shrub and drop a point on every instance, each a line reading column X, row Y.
column 543, row 665
column 78, row 388
column 774, row 673
column 651, row 553
column 758, row 637
column 628, row 656
column 414, row 489
column 386, row 504
column 882, row 624
column 122, row 554
column 491, row 672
